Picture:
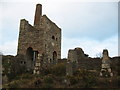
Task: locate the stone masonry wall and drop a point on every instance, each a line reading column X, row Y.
column 52, row 38
column 43, row 38
column 29, row 37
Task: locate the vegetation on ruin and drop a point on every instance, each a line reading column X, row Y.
column 55, row 77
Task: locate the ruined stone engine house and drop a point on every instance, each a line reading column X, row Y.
column 42, row 39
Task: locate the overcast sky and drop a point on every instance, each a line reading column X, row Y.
column 92, row 26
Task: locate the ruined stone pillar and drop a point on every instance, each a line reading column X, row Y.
column 37, row 65
column 105, row 67
column 38, row 14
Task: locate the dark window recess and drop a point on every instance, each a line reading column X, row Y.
column 24, row 62
column 50, row 60
column 30, row 53
column 21, row 62
column 53, row 37
column 54, row 57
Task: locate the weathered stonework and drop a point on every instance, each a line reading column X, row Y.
column 105, row 67
column 39, row 46
column 74, row 57
column 43, row 38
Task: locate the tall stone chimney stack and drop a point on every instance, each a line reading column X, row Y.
column 38, row 14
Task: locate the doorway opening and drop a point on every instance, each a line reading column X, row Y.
column 30, row 53
column 54, row 57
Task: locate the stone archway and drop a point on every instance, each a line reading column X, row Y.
column 54, row 57
column 30, row 58
column 30, row 53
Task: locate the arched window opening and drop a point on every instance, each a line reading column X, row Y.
column 53, row 37
column 21, row 62
column 24, row 62
column 54, row 57
column 56, row 39
column 30, row 53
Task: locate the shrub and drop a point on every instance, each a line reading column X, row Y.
column 48, row 79
column 26, row 76
column 90, row 81
column 59, row 70
column 45, row 71
column 73, row 80
column 14, row 84
column 47, row 86
column 86, row 78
